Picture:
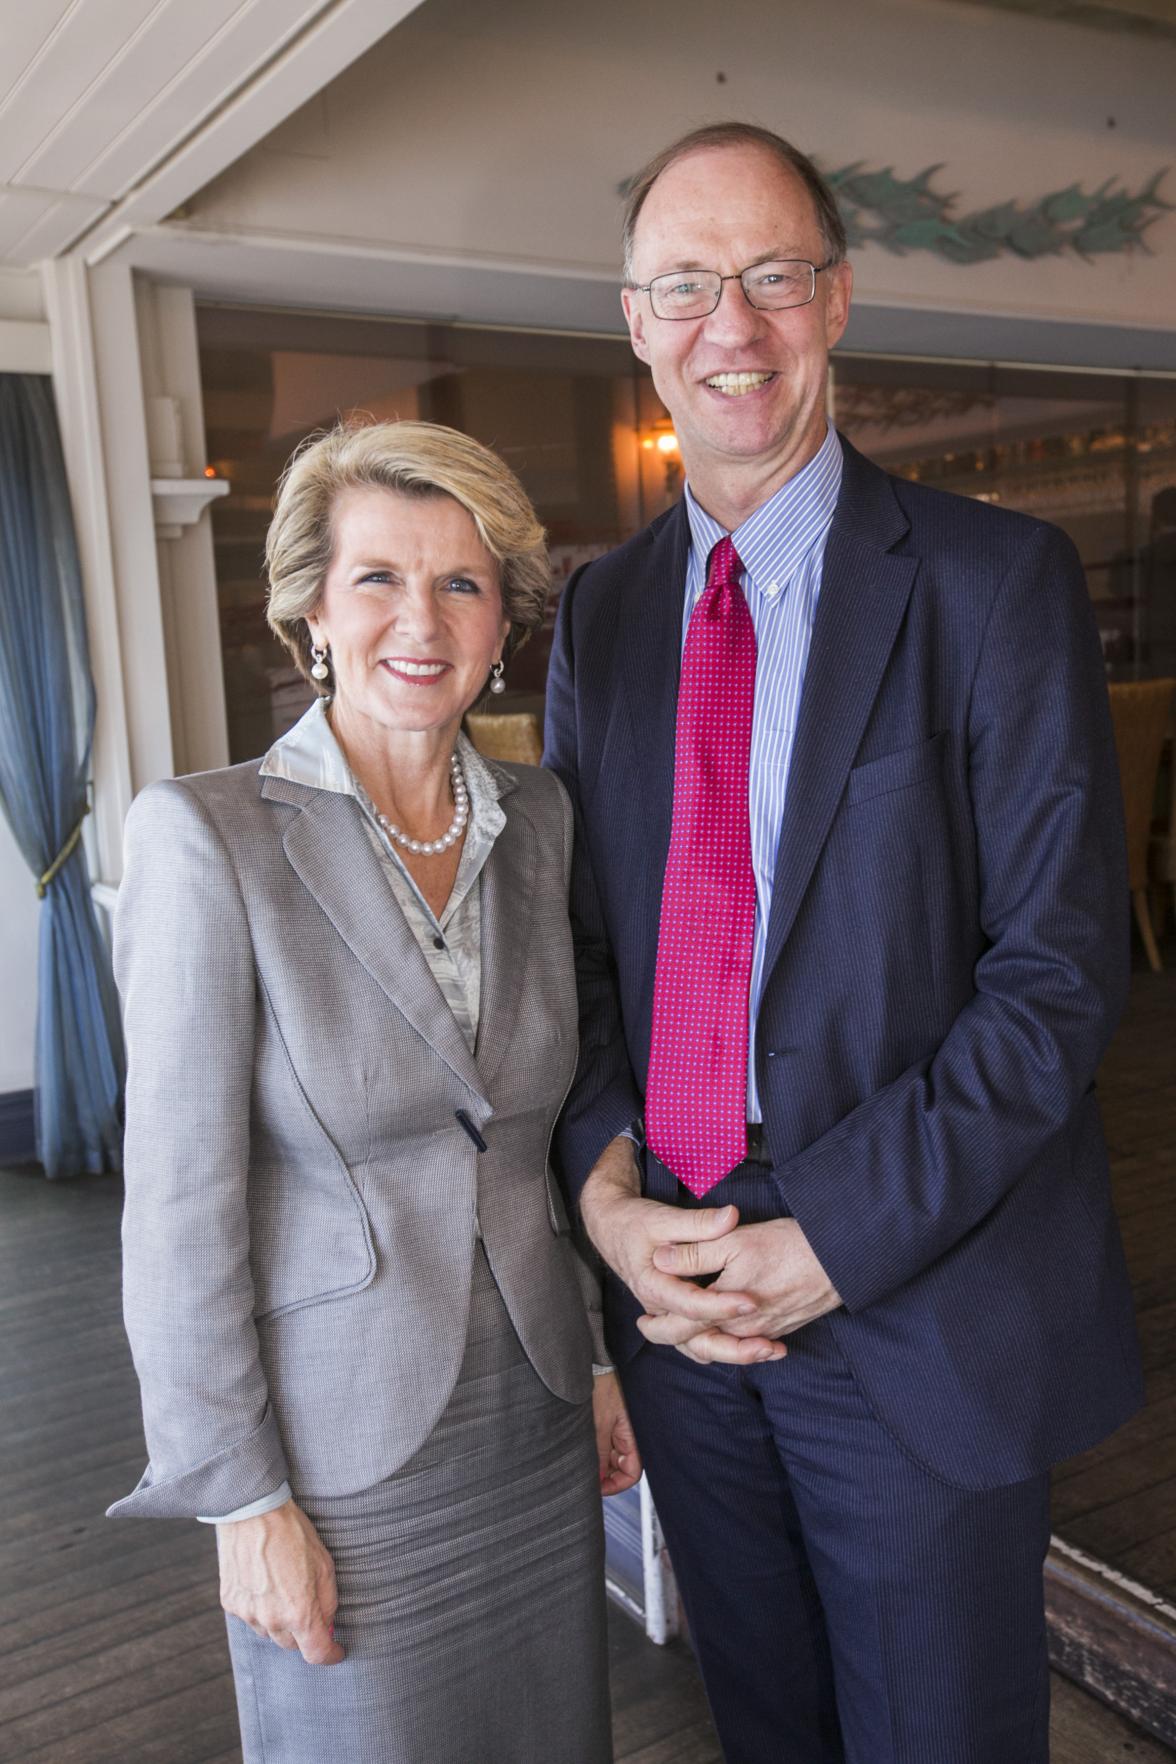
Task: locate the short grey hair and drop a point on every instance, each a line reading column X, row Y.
column 735, row 134
column 415, row 459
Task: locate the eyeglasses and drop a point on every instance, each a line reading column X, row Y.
column 772, row 287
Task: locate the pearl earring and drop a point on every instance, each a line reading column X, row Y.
column 320, row 669
column 497, row 683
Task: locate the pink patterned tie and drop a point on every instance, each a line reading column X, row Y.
column 696, row 1095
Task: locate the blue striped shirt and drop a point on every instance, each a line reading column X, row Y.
column 782, row 549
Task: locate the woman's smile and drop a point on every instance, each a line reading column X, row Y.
column 414, row 672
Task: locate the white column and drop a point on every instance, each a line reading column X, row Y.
column 123, row 429
column 127, row 384
column 187, row 574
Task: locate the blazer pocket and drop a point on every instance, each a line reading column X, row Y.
column 299, row 1279
column 897, row 771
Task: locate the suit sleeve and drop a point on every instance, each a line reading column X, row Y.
column 604, row 1099
column 906, row 1175
column 185, row 970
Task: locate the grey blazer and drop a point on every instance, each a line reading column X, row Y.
column 301, row 1200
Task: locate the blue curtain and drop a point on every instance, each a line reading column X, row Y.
column 46, row 726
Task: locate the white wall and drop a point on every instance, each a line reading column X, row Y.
column 21, row 297
column 503, row 131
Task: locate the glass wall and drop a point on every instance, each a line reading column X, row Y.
column 579, row 421
column 575, row 417
column 1094, row 453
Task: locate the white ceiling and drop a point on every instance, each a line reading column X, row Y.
column 117, row 109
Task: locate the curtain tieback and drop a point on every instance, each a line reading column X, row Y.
column 62, row 857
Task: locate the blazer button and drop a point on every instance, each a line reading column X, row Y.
column 438, row 943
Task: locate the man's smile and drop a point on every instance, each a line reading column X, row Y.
column 738, row 385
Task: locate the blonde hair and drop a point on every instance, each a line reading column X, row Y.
column 415, row 459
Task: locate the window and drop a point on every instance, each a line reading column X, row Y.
column 568, row 413
column 1094, row 453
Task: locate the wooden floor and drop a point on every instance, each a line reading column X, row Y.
column 111, row 1644
column 1119, row 1501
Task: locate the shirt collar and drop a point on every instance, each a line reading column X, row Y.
column 309, row 754
column 774, row 541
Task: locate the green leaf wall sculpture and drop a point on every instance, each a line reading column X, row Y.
column 907, row 214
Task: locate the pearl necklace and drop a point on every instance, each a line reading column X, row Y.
column 461, row 803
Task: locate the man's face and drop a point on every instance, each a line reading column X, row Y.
column 724, row 209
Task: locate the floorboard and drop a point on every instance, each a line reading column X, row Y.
column 1119, row 1500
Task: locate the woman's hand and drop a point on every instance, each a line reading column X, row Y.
column 616, row 1447
column 276, row 1576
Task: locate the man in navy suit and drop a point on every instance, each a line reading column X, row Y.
column 853, row 1346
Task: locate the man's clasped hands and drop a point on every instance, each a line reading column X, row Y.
column 764, row 1280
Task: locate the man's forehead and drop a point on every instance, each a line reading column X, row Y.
column 734, row 196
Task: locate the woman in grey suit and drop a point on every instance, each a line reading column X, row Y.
column 364, row 1334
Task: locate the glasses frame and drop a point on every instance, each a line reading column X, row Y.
column 693, row 317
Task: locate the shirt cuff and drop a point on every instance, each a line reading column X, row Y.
column 266, row 1504
column 601, row 1371
column 634, row 1131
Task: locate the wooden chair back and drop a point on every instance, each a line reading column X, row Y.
column 513, row 737
column 1139, row 710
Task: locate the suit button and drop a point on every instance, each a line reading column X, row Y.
column 438, row 943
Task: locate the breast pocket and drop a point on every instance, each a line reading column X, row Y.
column 900, row 770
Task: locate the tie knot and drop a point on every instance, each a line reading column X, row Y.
column 724, row 564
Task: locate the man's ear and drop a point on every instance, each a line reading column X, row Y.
column 837, row 301
column 635, row 319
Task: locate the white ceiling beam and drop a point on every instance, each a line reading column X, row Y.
column 516, row 294
column 39, row 223
column 49, row 223
column 1145, row 17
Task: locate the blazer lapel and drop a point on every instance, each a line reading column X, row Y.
column 650, row 674
column 331, row 854
column 508, row 884
column 864, row 593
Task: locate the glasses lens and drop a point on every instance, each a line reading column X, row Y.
column 790, row 283
column 685, row 294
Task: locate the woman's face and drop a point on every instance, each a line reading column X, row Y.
column 411, row 608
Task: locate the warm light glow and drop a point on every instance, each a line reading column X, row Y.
column 210, row 472
column 667, row 443
column 648, row 444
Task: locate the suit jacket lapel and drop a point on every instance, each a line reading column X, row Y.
column 864, row 593
column 331, row 854
column 651, row 623
column 508, row 884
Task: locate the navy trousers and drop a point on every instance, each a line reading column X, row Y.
column 846, row 1605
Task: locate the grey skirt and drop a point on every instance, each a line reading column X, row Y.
column 471, row 1591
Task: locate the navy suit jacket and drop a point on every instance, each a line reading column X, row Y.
column 947, row 955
